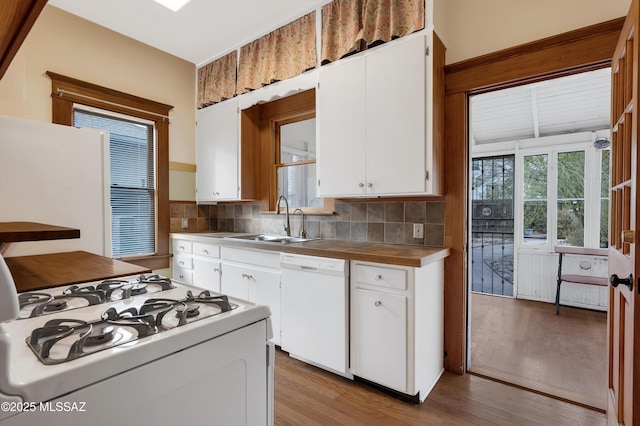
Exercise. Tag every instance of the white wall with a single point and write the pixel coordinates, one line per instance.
(471, 28)
(536, 278)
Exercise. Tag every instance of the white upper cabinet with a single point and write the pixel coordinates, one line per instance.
(374, 133)
(340, 101)
(217, 152)
(396, 119)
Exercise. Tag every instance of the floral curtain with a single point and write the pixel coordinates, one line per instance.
(217, 80)
(350, 26)
(281, 54)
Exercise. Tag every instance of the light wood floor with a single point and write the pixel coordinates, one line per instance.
(306, 395)
(526, 343)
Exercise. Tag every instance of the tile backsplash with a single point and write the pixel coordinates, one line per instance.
(200, 218)
(377, 221)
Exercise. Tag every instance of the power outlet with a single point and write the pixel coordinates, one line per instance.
(185, 223)
(418, 230)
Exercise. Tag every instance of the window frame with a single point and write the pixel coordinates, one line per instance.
(152, 190)
(592, 197)
(67, 91)
(261, 121)
(278, 152)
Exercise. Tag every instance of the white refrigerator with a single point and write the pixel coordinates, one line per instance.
(57, 175)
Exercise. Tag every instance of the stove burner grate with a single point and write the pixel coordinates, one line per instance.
(44, 302)
(89, 334)
(154, 315)
(107, 291)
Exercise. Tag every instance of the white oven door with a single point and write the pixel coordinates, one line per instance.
(227, 380)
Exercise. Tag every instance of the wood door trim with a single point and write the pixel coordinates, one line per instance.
(583, 49)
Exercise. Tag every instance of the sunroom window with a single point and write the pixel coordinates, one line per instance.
(534, 203)
(570, 205)
(565, 197)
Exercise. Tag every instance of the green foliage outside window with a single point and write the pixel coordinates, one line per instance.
(571, 198)
(535, 196)
(604, 199)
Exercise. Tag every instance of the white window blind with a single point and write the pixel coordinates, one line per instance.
(132, 160)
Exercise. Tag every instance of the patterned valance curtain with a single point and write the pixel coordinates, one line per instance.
(281, 54)
(217, 80)
(350, 26)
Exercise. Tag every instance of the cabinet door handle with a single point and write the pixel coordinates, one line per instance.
(181, 247)
(247, 276)
(205, 251)
(378, 277)
(370, 185)
(181, 263)
(377, 303)
(361, 185)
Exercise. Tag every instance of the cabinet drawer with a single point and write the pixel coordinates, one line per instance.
(251, 257)
(182, 261)
(208, 250)
(181, 246)
(379, 276)
(183, 275)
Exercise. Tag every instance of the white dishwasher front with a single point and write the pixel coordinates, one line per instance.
(315, 311)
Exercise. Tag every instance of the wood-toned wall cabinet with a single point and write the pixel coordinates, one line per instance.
(377, 127)
(397, 325)
(226, 164)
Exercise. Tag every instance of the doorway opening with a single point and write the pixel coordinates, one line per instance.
(539, 178)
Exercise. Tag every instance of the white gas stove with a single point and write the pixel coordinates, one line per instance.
(134, 350)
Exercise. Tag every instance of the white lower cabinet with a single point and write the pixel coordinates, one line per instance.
(379, 322)
(254, 276)
(206, 274)
(206, 266)
(182, 261)
(397, 325)
(197, 264)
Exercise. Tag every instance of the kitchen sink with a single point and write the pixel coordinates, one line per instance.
(268, 238)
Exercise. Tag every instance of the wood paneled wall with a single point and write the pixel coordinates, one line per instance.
(580, 50)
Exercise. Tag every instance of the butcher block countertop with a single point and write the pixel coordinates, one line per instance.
(59, 269)
(394, 254)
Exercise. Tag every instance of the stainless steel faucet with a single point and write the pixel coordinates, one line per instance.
(287, 224)
(303, 232)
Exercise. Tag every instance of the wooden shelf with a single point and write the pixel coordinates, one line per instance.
(13, 232)
(59, 269)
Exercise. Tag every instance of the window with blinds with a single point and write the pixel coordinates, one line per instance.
(132, 160)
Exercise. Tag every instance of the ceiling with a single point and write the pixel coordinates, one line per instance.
(576, 103)
(199, 32)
